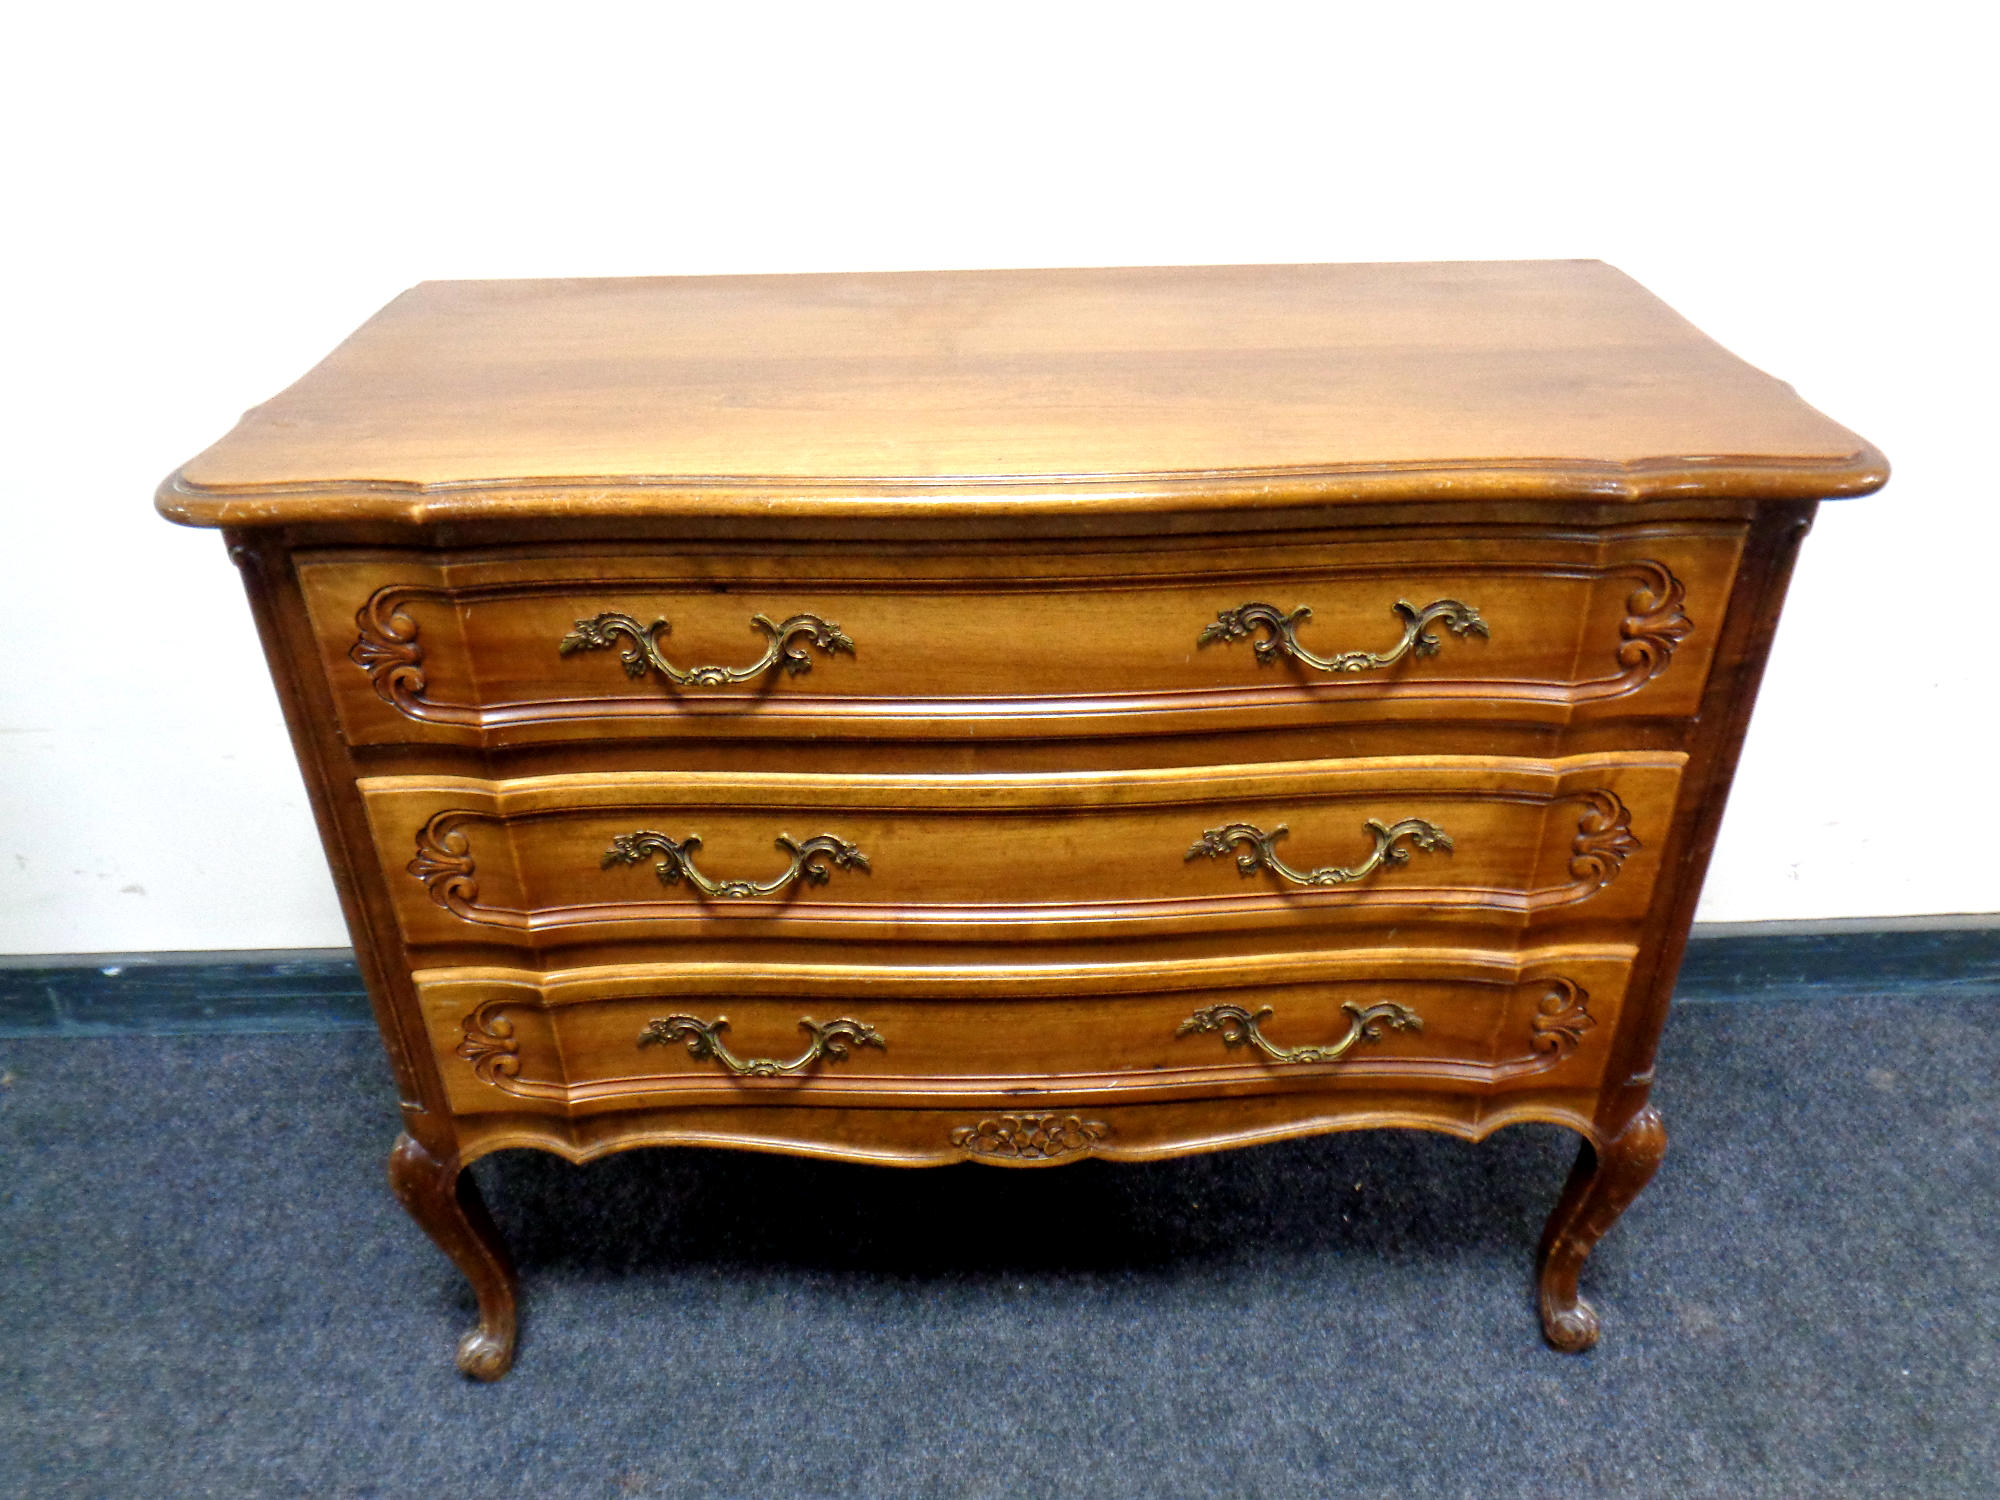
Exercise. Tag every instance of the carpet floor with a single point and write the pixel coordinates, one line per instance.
(206, 1289)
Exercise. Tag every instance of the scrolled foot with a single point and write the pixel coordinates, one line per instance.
(486, 1355)
(1600, 1188)
(445, 1202)
(1571, 1329)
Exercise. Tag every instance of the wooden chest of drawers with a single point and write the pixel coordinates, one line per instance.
(1016, 717)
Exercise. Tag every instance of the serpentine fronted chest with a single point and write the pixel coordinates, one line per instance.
(1017, 717)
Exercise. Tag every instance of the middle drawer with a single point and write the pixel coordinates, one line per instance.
(543, 862)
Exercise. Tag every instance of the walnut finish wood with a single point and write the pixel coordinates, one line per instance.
(1024, 497)
(933, 1137)
(444, 1200)
(1030, 392)
(1021, 859)
(510, 1040)
(1094, 638)
(1601, 1186)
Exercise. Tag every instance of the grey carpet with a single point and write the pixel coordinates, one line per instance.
(207, 1290)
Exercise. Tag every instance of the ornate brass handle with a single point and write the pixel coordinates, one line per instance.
(808, 861)
(1236, 624)
(704, 1041)
(642, 653)
(1364, 1024)
(1259, 855)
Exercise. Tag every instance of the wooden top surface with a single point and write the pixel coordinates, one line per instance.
(1032, 391)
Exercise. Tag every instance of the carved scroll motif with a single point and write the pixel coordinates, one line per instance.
(1561, 1019)
(1604, 838)
(444, 864)
(489, 1045)
(1654, 623)
(1030, 1138)
(389, 652)
(390, 649)
(1601, 1186)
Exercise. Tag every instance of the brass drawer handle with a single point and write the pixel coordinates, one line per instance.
(1236, 624)
(808, 861)
(704, 1042)
(1259, 854)
(1364, 1024)
(643, 654)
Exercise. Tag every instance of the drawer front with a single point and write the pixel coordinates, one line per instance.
(543, 862)
(522, 647)
(596, 1040)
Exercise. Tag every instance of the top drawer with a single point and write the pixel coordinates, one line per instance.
(531, 645)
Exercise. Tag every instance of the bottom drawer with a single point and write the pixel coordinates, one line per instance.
(594, 1040)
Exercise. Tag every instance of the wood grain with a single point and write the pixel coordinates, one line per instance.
(514, 1040)
(1601, 1187)
(1024, 495)
(1029, 391)
(1020, 858)
(461, 647)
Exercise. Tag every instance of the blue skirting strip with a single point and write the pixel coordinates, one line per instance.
(318, 989)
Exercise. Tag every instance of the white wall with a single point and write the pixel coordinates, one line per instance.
(208, 197)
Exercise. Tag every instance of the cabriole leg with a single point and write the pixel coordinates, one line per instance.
(445, 1202)
(1601, 1185)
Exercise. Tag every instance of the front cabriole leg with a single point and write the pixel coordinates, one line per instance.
(445, 1202)
(1601, 1185)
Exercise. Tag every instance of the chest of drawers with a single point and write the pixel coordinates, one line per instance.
(1020, 717)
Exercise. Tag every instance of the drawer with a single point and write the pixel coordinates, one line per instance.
(521, 647)
(596, 1040)
(544, 862)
